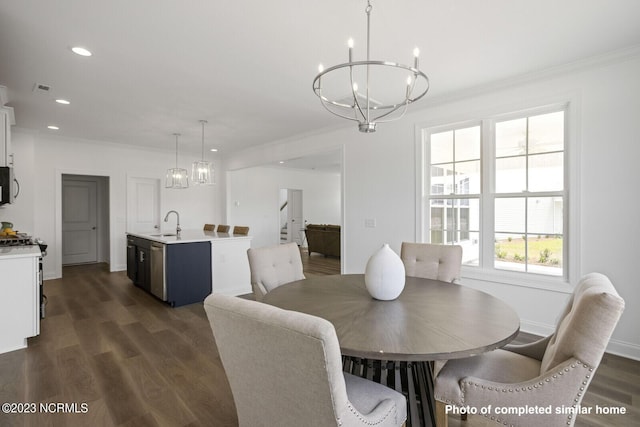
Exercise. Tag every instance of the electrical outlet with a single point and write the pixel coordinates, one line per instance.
(370, 223)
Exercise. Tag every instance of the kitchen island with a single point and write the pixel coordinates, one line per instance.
(185, 269)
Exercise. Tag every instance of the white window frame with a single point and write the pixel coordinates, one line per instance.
(571, 204)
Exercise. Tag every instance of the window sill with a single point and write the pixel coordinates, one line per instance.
(513, 278)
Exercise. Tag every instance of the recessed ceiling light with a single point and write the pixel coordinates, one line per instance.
(214, 149)
(281, 161)
(63, 101)
(81, 51)
(53, 127)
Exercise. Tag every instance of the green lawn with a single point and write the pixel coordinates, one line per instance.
(542, 250)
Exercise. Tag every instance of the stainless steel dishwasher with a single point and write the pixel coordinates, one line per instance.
(158, 283)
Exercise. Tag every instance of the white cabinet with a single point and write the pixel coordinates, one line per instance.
(19, 296)
(231, 274)
(6, 155)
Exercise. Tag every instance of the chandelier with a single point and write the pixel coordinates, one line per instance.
(202, 172)
(177, 178)
(347, 90)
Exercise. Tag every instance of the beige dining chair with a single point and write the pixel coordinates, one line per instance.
(285, 369)
(431, 261)
(273, 266)
(223, 228)
(209, 227)
(241, 230)
(553, 372)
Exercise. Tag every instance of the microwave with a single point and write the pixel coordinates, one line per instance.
(6, 185)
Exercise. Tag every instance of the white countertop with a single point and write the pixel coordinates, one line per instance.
(20, 251)
(188, 236)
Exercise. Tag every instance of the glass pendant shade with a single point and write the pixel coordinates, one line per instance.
(177, 178)
(202, 172)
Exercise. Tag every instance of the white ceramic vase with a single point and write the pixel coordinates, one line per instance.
(384, 275)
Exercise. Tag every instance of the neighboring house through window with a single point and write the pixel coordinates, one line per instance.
(498, 187)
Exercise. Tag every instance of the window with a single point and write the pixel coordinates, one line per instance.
(454, 159)
(497, 188)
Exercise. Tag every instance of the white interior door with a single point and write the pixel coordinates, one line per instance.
(143, 205)
(295, 223)
(79, 221)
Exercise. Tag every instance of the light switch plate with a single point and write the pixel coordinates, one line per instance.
(370, 223)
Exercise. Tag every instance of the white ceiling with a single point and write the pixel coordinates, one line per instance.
(159, 66)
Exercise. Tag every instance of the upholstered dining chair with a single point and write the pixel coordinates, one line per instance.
(222, 228)
(209, 227)
(553, 372)
(241, 230)
(431, 261)
(273, 266)
(285, 369)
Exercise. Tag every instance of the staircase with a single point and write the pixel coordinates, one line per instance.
(284, 235)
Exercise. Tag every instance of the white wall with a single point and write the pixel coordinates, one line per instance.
(253, 199)
(41, 160)
(380, 180)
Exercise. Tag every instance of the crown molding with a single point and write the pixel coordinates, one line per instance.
(596, 61)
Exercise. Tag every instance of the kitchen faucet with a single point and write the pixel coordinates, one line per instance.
(166, 219)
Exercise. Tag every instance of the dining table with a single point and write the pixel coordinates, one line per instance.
(397, 342)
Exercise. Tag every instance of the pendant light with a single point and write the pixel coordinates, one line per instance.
(202, 172)
(177, 178)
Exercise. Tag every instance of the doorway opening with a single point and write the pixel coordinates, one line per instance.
(85, 219)
(292, 224)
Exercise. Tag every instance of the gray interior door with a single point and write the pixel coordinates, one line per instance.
(79, 220)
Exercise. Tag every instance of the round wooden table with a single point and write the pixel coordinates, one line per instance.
(393, 342)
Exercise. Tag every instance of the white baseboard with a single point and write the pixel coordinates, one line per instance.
(117, 267)
(624, 349)
(51, 276)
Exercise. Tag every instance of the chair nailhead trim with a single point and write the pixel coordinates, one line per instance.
(355, 412)
(536, 386)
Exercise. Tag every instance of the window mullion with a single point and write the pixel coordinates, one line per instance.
(487, 182)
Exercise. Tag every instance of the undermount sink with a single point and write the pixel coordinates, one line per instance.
(162, 235)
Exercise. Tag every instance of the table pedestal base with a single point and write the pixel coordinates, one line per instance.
(413, 379)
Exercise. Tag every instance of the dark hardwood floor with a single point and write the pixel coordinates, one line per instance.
(136, 362)
(318, 264)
